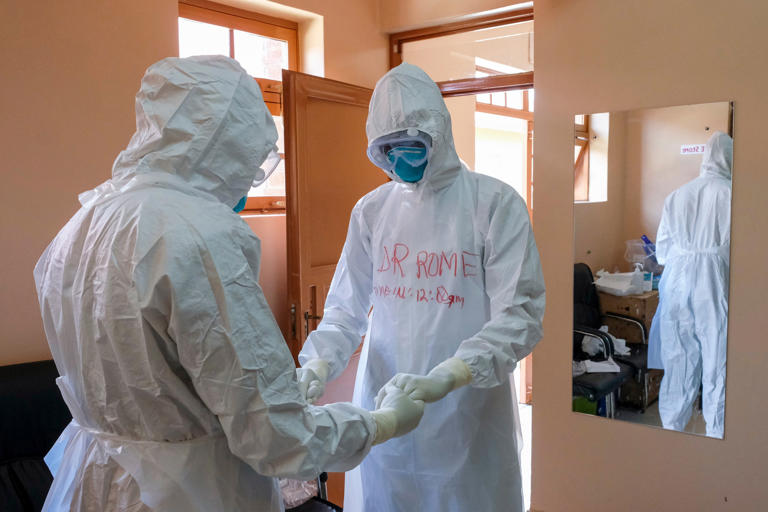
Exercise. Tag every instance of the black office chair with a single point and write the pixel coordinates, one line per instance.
(32, 416)
(587, 321)
(637, 359)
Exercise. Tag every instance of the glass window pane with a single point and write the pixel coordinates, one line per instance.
(498, 98)
(501, 145)
(484, 98)
(504, 49)
(530, 99)
(515, 99)
(198, 38)
(262, 57)
(576, 151)
(579, 119)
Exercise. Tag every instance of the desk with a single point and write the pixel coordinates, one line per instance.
(640, 307)
(644, 389)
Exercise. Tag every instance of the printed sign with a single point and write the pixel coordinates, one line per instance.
(692, 149)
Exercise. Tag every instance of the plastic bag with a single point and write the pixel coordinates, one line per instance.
(296, 492)
(642, 253)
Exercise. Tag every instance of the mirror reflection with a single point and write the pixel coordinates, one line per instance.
(652, 214)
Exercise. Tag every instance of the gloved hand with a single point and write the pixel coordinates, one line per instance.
(396, 415)
(312, 377)
(451, 374)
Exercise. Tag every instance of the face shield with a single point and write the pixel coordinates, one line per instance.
(403, 149)
(267, 167)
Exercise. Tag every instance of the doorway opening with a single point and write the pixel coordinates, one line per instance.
(484, 68)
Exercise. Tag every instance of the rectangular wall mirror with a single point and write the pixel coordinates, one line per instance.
(652, 215)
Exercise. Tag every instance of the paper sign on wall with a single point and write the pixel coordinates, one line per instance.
(692, 149)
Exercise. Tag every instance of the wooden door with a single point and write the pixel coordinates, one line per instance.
(327, 171)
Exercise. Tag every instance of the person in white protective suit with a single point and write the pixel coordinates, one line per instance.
(448, 261)
(693, 244)
(183, 393)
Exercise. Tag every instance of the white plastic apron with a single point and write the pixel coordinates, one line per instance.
(428, 297)
(199, 475)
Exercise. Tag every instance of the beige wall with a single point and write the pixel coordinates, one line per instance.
(654, 165)
(70, 71)
(635, 55)
(644, 167)
(399, 15)
(599, 226)
(273, 272)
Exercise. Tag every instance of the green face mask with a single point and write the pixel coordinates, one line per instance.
(240, 204)
(410, 162)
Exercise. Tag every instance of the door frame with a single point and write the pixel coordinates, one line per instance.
(482, 85)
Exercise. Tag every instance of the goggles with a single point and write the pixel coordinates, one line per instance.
(411, 145)
(267, 167)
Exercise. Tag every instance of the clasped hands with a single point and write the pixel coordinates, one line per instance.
(400, 402)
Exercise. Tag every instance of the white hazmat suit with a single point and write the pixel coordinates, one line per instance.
(451, 268)
(182, 389)
(693, 244)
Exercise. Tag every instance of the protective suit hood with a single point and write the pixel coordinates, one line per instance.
(407, 98)
(200, 119)
(718, 156)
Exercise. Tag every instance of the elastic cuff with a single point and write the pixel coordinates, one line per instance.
(459, 369)
(320, 367)
(386, 424)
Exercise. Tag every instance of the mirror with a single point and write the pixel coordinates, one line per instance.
(652, 215)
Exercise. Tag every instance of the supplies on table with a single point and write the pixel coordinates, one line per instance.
(642, 254)
(621, 283)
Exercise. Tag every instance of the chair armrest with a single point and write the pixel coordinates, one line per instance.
(633, 321)
(596, 333)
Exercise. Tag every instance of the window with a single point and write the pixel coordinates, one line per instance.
(484, 68)
(504, 135)
(581, 158)
(591, 137)
(264, 46)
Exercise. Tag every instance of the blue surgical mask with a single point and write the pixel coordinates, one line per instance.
(410, 162)
(240, 204)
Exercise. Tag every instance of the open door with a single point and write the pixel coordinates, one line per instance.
(327, 171)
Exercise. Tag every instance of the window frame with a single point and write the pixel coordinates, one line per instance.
(267, 26)
(495, 82)
(525, 114)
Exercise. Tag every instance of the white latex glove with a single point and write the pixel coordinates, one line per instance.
(451, 374)
(396, 415)
(312, 377)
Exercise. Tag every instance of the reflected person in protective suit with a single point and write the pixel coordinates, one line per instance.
(693, 244)
(448, 261)
(183, 393)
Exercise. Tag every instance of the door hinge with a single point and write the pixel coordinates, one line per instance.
(293, 321)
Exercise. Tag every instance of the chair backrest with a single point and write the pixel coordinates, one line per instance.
(33, 412)
(32, 415)
(586, 305)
